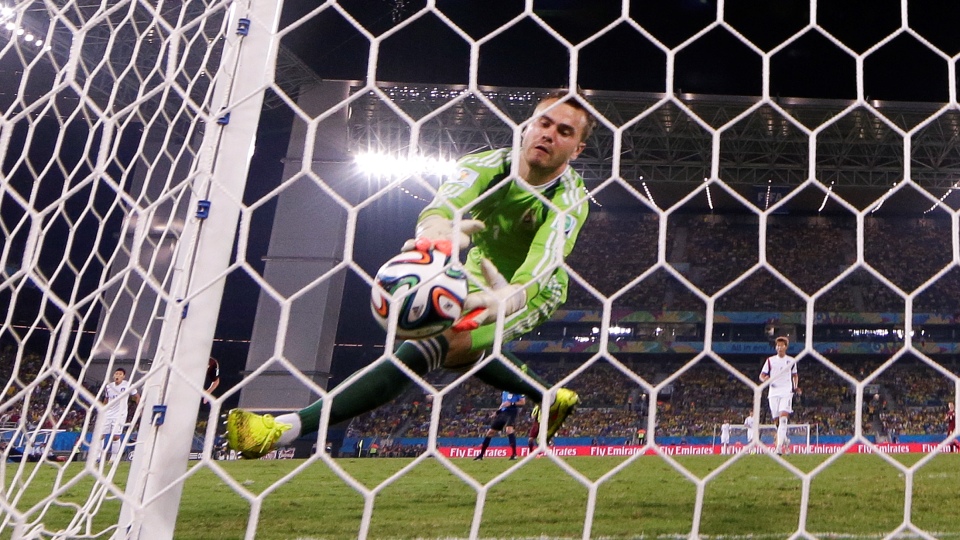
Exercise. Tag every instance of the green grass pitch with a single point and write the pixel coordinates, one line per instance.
(857, 496)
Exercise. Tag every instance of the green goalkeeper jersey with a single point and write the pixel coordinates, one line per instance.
(526, 236)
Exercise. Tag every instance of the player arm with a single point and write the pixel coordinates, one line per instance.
(213, 385)
(438, 226)
(765, 372)
(458, 190)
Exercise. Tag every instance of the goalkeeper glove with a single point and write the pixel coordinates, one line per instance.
(481, 307)
(437, 232)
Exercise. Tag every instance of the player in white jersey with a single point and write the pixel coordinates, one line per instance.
(748, 425)
(724, 437)
(781, 370)
(115, 413)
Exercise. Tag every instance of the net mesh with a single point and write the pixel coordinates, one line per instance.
(829, 221)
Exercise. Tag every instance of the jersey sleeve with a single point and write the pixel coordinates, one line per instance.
(766, 367)
(474, 175)
(556, 237)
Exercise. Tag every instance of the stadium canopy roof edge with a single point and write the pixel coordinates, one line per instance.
(667, 144)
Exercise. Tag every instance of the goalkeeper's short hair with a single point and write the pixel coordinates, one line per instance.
(574, 100)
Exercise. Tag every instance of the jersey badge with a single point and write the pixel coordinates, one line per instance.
(569, 225)
(464, 177)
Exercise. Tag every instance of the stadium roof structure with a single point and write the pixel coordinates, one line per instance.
(664, 154)
(123, 52)
(666, 148)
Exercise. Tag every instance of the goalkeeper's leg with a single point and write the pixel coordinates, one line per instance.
(377, 387)
(254, 435)
(497, 374)
(534, 433)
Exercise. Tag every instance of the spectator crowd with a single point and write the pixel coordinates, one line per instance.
(692, 400)
(715, 251)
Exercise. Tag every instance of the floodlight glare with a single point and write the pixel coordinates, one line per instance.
(385, 165)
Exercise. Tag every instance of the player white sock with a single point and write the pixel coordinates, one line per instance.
(291, 434)
(781, 433)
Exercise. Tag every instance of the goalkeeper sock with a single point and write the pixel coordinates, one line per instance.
(498, 375)
(534, 433)
(378, 386)
(513, 443)
(290, 435)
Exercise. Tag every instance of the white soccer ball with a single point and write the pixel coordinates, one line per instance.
(426, 293)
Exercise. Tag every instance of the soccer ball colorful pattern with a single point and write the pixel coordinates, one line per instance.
(423, 289)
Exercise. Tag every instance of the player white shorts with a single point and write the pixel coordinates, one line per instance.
(725, 439)
(113, 425)
(779, 404)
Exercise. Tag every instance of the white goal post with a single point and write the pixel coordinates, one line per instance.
(164, 127)
(799, 434)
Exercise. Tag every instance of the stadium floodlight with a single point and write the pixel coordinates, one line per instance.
(945, 195)
(709, 197)
(826, 197)
(884, 198)
(375, 164)
(647, 191)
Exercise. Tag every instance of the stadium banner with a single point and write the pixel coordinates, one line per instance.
(721, 347)
(692, 450)
(765, 196)
(622, 315)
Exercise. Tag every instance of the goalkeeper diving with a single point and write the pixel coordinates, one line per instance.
(521, 232)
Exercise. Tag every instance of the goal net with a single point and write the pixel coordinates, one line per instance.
(194, 179)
